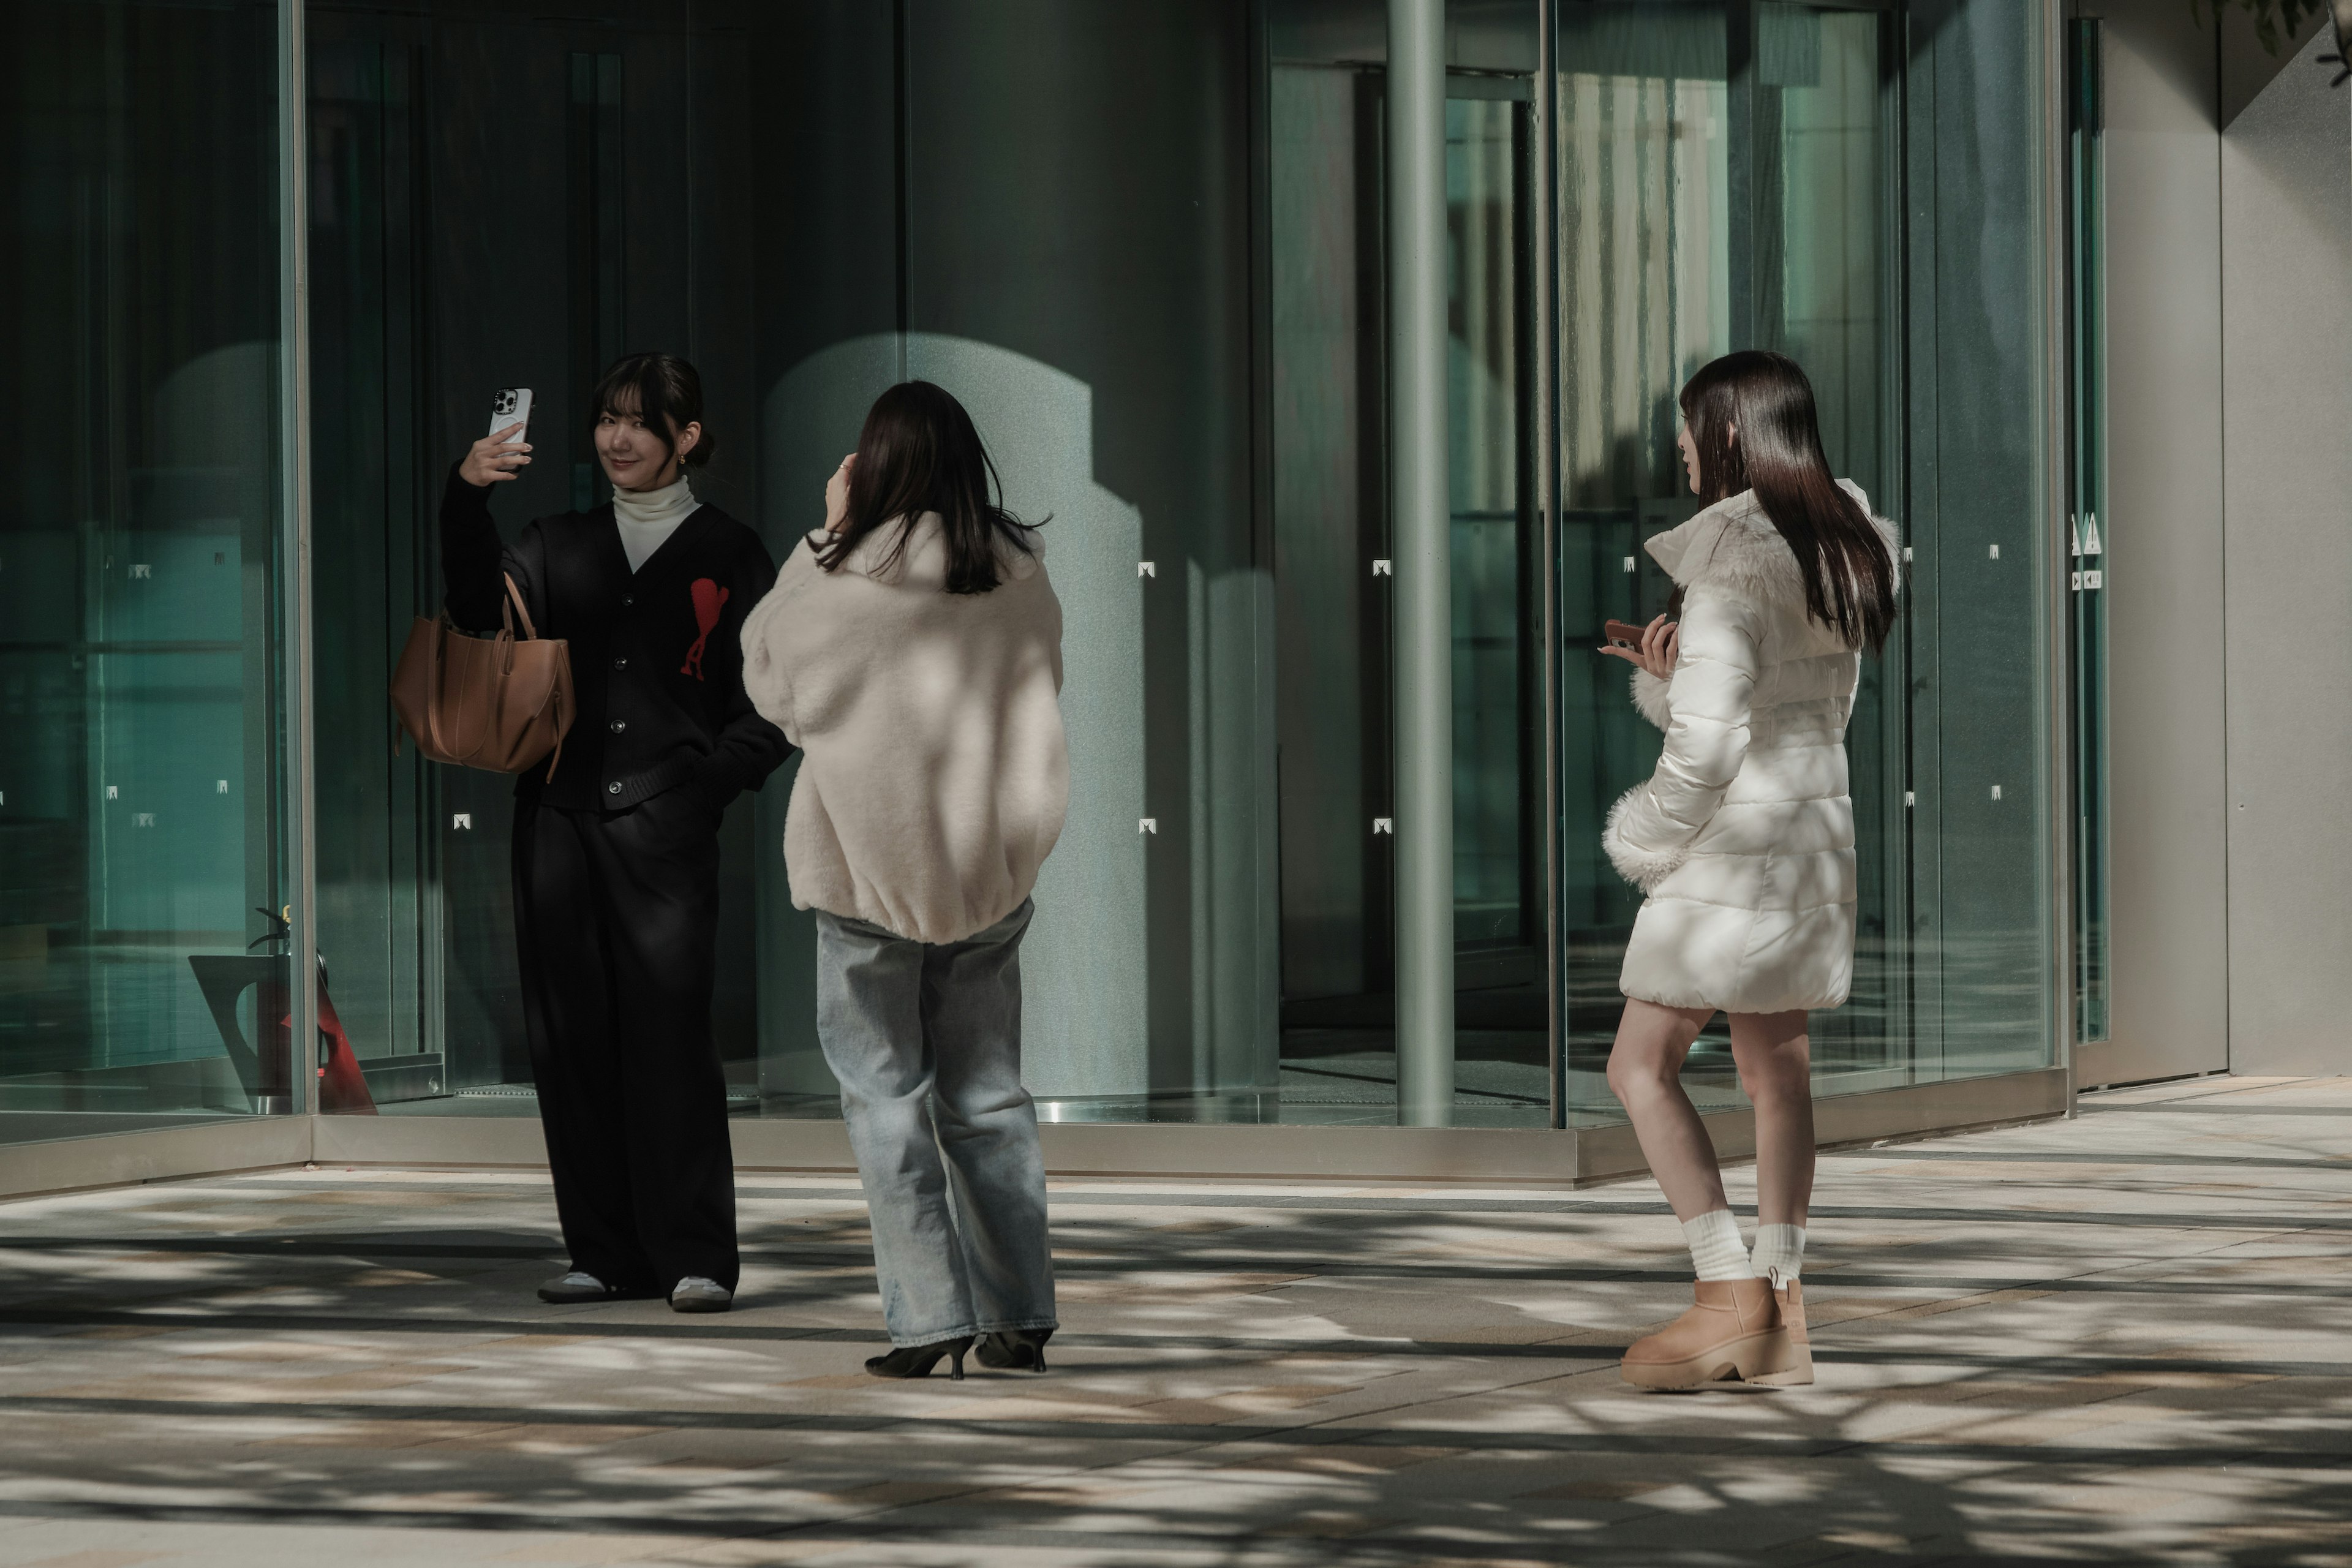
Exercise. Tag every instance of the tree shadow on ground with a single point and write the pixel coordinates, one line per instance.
(1237, 1385)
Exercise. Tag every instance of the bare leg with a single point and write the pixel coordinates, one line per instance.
(1646, 1074)
(1775, 1058)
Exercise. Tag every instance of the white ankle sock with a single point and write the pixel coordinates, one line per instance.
(1717, 1251)
(1779, 1252)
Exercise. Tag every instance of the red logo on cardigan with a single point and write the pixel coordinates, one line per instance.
(709, 598)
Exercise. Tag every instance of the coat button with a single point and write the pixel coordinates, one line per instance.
(611, 789)
(628, 599)
(620, 664)
(618, 725)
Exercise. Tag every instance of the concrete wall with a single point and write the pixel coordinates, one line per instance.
(2163, 533)
(2287, 298)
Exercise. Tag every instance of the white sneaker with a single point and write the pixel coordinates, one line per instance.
(577, 1286)
(696, 1294)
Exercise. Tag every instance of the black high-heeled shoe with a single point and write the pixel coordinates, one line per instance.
(1015, 1349)
(917, 1361)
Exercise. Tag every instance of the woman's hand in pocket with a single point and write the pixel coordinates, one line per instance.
(497, 455)
(1660, 647)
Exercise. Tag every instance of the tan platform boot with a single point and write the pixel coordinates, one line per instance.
(1732, 1331)
(1790, 1298)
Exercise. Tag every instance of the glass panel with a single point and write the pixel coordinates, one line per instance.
(1332, 614)
(1503, 1029)
(1826, 78)
(142, 861)
(1333, 677)
(430, 289)
(1730, 175)
(1977, 644)
(1644, 255)
(1078, 273)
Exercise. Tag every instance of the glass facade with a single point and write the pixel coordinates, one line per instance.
(1146, 246)
(143, 586)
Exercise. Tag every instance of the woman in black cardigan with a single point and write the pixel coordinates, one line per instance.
(617, 856)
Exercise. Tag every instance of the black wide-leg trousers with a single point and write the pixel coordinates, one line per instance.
(616, 915)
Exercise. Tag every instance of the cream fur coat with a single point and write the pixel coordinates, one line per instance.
(1743, 838)
(935, 775)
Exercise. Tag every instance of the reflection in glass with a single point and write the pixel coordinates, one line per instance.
(140, 862)
(1329, 467)
(1644, 255)
(1502, 1024)
(1334, 691)
(1827, 304)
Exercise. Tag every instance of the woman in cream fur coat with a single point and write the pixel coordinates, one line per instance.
(1743, 841)
(912, 648)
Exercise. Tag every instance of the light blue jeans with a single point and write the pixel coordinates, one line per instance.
(926, 1042)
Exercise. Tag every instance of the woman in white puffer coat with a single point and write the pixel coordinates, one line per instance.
(1743, 840)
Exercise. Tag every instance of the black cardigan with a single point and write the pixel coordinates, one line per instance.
(657, 655)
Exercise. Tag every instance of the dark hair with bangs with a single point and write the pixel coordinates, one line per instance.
(1849, 576)
(664, 391)
(919, 452)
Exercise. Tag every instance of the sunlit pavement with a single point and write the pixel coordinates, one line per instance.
(2124, 1338)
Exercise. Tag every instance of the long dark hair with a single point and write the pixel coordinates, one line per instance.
(920, 453)
(664, 392)
(1849, 576)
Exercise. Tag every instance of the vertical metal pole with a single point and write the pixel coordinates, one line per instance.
(1420, 506)
(1741, 154)
(294, 585)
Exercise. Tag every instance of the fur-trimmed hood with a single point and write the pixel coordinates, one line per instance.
(1732, 545)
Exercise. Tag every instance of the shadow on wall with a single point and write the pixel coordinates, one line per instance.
(1083, 966)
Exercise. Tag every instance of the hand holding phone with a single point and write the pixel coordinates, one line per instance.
(1655, 647)
(503, 453)
(836, 495)
(510, 406)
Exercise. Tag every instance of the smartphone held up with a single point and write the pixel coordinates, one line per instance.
(511, 406)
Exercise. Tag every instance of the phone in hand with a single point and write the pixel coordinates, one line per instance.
(1620, 634)
(512, 405)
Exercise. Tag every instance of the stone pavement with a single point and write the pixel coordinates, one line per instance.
(2124, 1338)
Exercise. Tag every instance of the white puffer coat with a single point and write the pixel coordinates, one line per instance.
(1743, 838)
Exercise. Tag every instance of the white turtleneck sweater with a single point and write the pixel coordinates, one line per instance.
(647, 518)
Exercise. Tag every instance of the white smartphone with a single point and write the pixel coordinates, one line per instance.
(511, 404)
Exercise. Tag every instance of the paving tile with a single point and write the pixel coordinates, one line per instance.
(2141, 1355)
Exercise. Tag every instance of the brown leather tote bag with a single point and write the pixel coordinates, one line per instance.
(495, 702)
